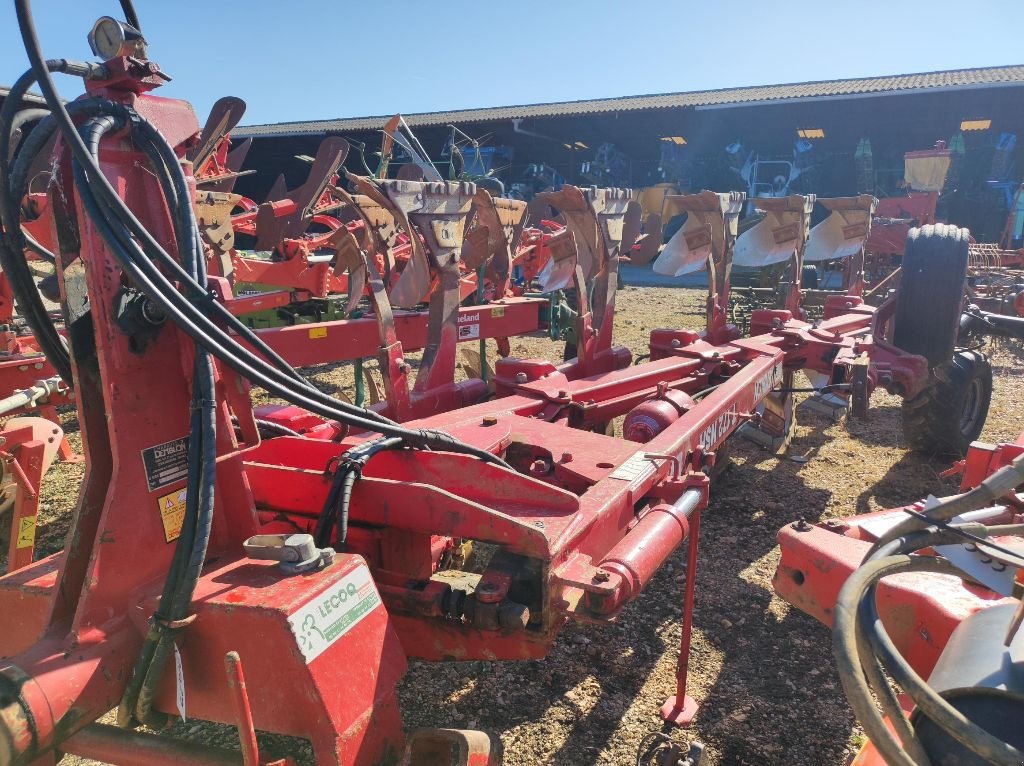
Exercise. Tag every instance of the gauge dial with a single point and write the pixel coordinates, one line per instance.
(111, 38)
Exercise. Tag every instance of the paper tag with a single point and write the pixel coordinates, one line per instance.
(179, 684)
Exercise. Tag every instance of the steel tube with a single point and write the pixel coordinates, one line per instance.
(30, 396)
(109, 744)
(639, 555)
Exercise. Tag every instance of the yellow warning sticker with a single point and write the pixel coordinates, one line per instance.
(317, 332)
(172, 513)
(26, 532)
(497, 312)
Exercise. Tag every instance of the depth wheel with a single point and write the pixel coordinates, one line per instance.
(931, 292)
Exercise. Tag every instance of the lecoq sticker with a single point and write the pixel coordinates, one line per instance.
(327, 617)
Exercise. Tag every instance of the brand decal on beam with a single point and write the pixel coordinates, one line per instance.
(767, 382)
(330, 615)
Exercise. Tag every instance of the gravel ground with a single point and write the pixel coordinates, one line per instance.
(762, 671)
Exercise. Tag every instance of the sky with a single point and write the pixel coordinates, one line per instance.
(309, 59)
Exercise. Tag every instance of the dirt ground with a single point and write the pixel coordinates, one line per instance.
(762, 671)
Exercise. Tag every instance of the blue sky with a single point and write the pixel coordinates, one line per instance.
(302, 59)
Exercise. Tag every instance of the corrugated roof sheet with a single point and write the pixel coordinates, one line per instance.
(965, 78)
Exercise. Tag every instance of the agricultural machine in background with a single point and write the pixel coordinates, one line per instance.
(274, 567)
(770, 178)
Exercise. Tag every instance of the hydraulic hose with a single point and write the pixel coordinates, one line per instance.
(864, 653)
(12, 241)
(336, 506)
(191, 319)
(143, 259)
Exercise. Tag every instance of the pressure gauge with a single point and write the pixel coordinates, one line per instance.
(111, 38)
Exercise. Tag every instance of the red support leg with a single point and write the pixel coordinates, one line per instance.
(680, 708)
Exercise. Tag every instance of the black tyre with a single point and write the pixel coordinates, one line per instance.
(809, 277)
(931, 292)
(948, 415)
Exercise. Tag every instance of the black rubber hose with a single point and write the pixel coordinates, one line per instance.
(22, 118)
(12, 257)
(873, 669)
(190, 552)
(107, 195)
(129, 14)
(931, 704)
(165, 153)
(335, 510)
(147, 277)
(170, 303)
(204, 402)
(225, 347)
(856, 637)
(846, 638)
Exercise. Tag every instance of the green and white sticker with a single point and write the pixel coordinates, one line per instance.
(327, 617)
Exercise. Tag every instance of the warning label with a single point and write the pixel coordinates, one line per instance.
(469, 331)
(166, 463)
(172, 513)
(317, 332)
(26, 532)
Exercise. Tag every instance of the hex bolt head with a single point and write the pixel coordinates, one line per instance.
(521, 377)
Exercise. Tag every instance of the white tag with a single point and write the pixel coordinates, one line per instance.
(179, 683)
(638, 466)
(330, 615)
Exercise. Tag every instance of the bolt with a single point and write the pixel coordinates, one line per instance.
(563, 394)
(802, 525)
(540, 467)
(521, 377)
(676, 343)
(489, 420)
(601, 577)
(566, 457)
